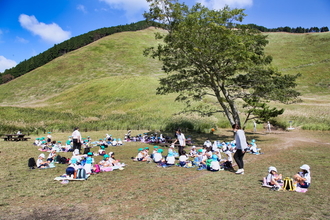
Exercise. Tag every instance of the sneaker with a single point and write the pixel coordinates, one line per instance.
(240, 171)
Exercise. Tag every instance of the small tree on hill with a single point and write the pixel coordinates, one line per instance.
(207, 53)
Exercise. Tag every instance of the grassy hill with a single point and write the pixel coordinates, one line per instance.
(110, 84)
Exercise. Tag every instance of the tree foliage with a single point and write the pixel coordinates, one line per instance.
(209, 53)
(289, 29)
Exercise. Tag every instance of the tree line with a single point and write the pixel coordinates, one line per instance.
(69, 45)
(289, 29)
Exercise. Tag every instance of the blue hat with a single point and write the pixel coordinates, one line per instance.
(214, 157)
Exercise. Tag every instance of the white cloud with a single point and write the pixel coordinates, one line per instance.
(22, 40)
(82, 8)
(48, 32)
(219, 4)
(132, 7)
(6, 63)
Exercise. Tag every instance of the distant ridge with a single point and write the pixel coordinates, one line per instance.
(65, 47)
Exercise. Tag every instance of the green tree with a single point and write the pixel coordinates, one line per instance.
(208, 53)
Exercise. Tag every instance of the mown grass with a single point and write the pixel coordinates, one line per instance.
(144, 191)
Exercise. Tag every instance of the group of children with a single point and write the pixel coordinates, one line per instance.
(206, 158)
(203, 158)
(48, 145)
(302, 179)
(87, 162)
(79, 161)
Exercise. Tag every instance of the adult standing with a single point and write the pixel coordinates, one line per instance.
(182, 141)
(76, 139)
(241, 146)
(269, 127)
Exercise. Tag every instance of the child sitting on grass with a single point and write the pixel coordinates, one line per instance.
(101, 150)
(170, 159)
(273, 178)
(183, 159)
(41, 163)
(303, 178)
(193, 152)
(215, 165)
(115, 163)
(158, 157)
(140, 156)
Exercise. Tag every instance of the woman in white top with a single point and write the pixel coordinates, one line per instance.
(241, 147)
(182, 141)
(76, 139)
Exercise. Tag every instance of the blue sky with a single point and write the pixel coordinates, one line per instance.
(29, 27)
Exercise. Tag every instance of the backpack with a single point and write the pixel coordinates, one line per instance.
(227, 165)
(32, 163)
(81, 174)
(86, 150)
(61, 160)
(288, 184)
(97, 168)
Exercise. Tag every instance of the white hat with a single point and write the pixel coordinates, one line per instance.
(42, 155)
(193, 146)
(172, 146)
(272, 169)
(110, 153)
(305, 167)
(76, 151)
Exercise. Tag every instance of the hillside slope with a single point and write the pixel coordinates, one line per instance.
(307, 54)
(115, 55)
(111, 83)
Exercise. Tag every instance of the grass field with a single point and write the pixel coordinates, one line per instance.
(144, 191)
(109, 84)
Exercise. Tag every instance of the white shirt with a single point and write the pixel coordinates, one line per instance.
(208, 143)
(157, 157)
(183, 158)
(307, 176)
(39, 162)
(170, 160)
(76, 135)
(215, 165)
(181, 138)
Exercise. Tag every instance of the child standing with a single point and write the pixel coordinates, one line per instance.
(89, 162)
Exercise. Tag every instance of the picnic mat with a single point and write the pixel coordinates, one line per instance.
(65, 177)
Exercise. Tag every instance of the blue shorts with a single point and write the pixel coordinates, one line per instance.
(306, 185)
(69, 171)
